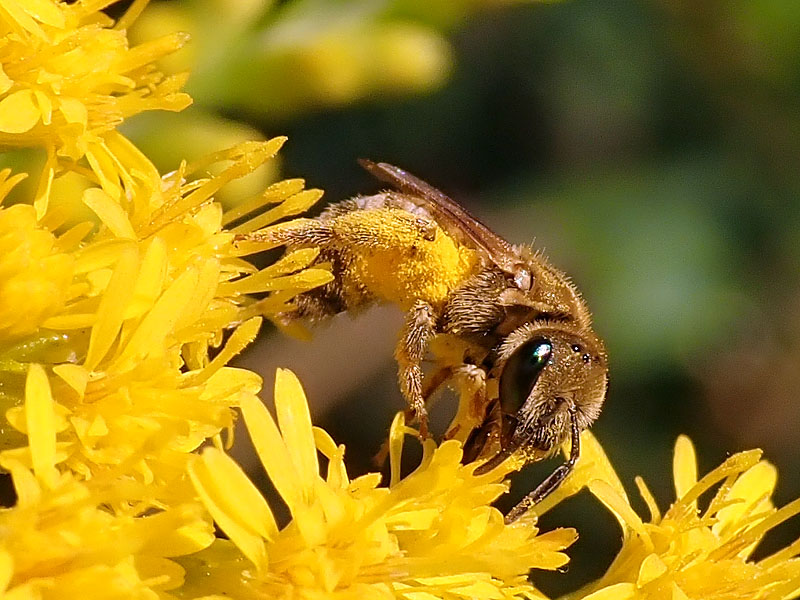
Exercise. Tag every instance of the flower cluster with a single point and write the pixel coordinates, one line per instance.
(124, 293)
(692, 553)
(432, 531)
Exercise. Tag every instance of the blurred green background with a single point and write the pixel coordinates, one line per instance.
(651, 147)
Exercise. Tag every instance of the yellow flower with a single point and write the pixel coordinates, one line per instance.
(67, 540)
(697, 553)
(34, 273)
(68, 78)
(128, 312)
(431, 534)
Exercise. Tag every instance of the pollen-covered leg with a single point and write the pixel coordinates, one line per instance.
(294, 233)
(471, 383)
(418, 329)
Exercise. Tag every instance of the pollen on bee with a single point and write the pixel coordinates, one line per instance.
(406, 258)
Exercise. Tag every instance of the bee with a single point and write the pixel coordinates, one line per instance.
(509, 329)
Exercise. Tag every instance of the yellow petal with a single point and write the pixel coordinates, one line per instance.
(41, 198)
(271, 450)
(40, 419)
(111, 312)
(110, 212)
(206, 484)
(258, 283)
(228, 380)
(148, 338)
(261, 280)
(684, 466)
(649, 499)
(45, 12)
(99, 255)
(203, 294)
(753, 486)
(652, 568)
(241, 500)
(239, 340)
(276, 192)
(733, 465)
(76, 321)
(45, 106)
(755, 533)
(397, 435)
(592, 464)
(295, 423)
(7, 183)
(337, 473)
(71, 239)
(293, 205)
(104, 167)
(621, 509)
(74, 111)
(29, 492)
(75, 376)
(159, 573)
(18, 112)
(150, 282)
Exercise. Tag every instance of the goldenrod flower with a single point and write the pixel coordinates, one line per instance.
(697, 553)
(67, 540)
(431, 534)
(68, 78)
(34, 273)
(128, 314)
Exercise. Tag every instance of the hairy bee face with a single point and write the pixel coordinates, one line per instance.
(552, 380)
(546, 371)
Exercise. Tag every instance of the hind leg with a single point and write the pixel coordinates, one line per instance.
(429, 387)
(418, 329)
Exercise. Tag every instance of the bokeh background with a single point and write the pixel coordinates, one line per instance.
(651, 147)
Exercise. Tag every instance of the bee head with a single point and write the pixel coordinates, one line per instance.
(550, 374)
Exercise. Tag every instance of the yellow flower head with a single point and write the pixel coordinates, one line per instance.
(125, 314)
(68, 77)
(62, 540)
(701, 553)
(431, 534)
(34, 273)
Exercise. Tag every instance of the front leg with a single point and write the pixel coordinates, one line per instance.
(418, 329)
(471, 383)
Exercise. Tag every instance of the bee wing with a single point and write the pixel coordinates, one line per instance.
(449, 215)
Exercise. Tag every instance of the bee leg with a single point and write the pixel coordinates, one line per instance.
(555, 478)
(418, 329)
(430, 385)
(472, 402)
(434, 381)
(296, 232)
(476, 443)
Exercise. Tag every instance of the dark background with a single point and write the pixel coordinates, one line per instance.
(650, 147)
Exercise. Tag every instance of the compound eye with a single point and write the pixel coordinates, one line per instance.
(520, 373)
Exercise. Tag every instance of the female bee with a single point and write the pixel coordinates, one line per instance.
(511, 330)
